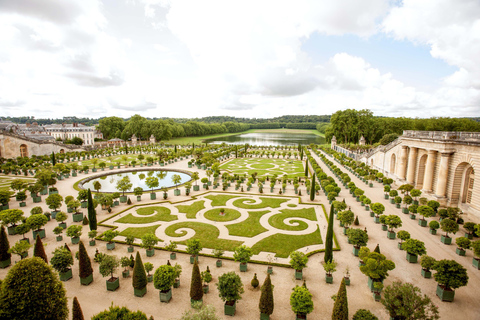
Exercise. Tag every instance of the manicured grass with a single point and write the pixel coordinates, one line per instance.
(220, 199)
(262, 166)
(192, 209)
(267, 202)
(250, 227)
(146, 211)
(291, 205)
(230, 214)
(206, 233)
(265, 166)
(162, 215)
(277, 221)
(139, 232)
(283, 244)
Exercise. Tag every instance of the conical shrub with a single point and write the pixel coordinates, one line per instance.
(139, 278)
(340, 308)
(196, 290)
(39, 250)
(77, 313)
(329, 238)
(266, 304)
(84, 262)
(4, 245)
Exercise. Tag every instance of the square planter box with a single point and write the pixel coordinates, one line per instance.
(92, 243)
(5, 263)
(376, 219)
(125, 273)
(264, 316)
(355, 251)
(219, 263)
(405, 210)
(140, 292)
(205, 288)
(59, 238)
(87, 280)
(399, 245)
(193, 258)
(446, 240)
(445, 295)
(367, 208)
(469, 236)
(300, 316)
(150, 252)
(243, 267)
(328, 279)
(64, 276)
(37, 199)
(111, 246)
(139, 198)
(123, 199)
(397, 205)
(77, 217)
(476, 263)
(298, 274)
(40, 232)
(63, 225)
(433, 231)
(196, 188)
(460, 252)
(173, 255)
(176, 284)
(69, 210)
(229, 310)
(75, 240)
(413, 216)
(153, 196)
(372, 214)
(384, 227)
(84, 204)
(412, 258)
(426, 274)
(23, 204)
(176, 192)
(391, 235)
(270, 270)
(422, 222)
(113, 284)
(166, 296)
(347, 281)
(150, 278)
(12, 230)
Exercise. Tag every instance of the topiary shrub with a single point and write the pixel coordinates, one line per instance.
(139, 278)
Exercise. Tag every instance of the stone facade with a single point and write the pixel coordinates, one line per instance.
(13, 145)
(69, 131)
(441, 164)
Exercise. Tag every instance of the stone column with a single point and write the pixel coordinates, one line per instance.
(429, 167)
(412, 164)
(402, 165)
(442, 175)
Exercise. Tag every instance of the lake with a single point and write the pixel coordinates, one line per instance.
(270, 139)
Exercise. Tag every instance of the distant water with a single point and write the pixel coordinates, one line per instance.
(270, 139)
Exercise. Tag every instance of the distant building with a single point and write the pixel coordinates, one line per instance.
(68, 131)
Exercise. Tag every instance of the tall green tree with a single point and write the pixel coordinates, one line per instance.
(77, 313)
(39, 249)
(306, 168)
(340, 308)
(32, 289)
(4, 245)
(139, 278)
(312, 188)
(84, 262)
(266, 303)
(92, 215)
(329, 238)
(196, 290)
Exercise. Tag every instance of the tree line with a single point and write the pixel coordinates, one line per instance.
(349, 125)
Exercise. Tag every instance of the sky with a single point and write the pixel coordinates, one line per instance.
(255, 59)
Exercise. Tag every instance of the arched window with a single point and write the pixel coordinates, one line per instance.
(23, 150)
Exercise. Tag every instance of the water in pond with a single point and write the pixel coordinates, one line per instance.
(109, 182)
(270, 139)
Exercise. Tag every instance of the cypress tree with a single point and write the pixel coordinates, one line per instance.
(266, 298)
(139, 278)
(39, 250)
(306, 168)
(312, 189)
(196, 290)
(92, 215)
(84, 262)
(340, 308)
(54, 161)
(77, 313)
(4, 246)
(301, 153)
(329, 238)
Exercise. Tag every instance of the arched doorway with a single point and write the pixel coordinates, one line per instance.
(421, 171)
(463, 181)
(23, 150)
(62, 151)
(393, 163)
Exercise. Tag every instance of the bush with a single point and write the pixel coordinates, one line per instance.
(298, 260)
(84, 263)
(363, 314)
(164, 277)
(117, 313)
(139, 278)
(266, 303)
(230, 286)
(62, 259)
(301, 300)
(196, 291)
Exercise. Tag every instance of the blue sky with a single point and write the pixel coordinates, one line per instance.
(258, 59)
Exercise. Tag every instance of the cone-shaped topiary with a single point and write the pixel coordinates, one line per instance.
(132, 261)
(356, 222)
(39, 250)
(255, 281)
(4, 246)
(329, 238)
(85, 221)
(92, 215)
(340, 308)
(129, 202)
(67, 247)
(377, 248)
(84, 262)
(139, 278)
(266, 298)
(196, 290)
(77, 313)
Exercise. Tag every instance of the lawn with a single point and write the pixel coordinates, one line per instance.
(192, 209)
(220, 200)
(266, 202)
(277, 220)
(229, 214)
(265, 166)
(163, 214)
(139, 232)
(251, 227)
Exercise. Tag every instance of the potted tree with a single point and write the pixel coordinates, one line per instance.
(124, 185)
(329, 267)
(125, 263)
(91, 235)
(378, 209)
(377, 290)
(301, 302)
(427, 263)
(298, 261)
(130, 240)
(58, 232)
(346, 218)
(463, 244)
(218, 253)
(139, 278)
(433, 227)
(163, 280)
(36, 222)
(402, 235)
(178, 272)
(243, 254)
(12, 217)
(152, 182)
(196, 292)
(23, 229)
(376, 267)
(425, 212)
(61, 218)
(414, 248)
(230, 288)
(358, 238)
(393, 221)
(148, 267)
(470, 228)
(383, 221)
(61, 261)
(21, 248)
(138, 191)
(346, 277)
(149, 240)
(5, 256)
(108, 236)
(171, 247)
(449, 226)
(54, 201)
(108, 265)
(449, 275)
(74, 232)
(266, 299)
(193, 248)
(84, 266)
